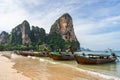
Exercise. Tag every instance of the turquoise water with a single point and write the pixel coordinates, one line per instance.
(110, 69)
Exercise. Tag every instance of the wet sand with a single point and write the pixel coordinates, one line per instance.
(38, 69)
(7, 72)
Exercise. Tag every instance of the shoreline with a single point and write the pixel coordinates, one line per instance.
(91, 73)
(7, 72)
(73, 74)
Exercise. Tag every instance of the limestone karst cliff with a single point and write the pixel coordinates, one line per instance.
(61, 36)
(4, 36)
(64, 26)
(21, 33)
(38, 35)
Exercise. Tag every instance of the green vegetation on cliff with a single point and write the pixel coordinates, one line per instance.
(38, 35)
(61, 36)
(55, 41)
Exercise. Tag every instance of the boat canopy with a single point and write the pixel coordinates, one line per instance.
(105, 55)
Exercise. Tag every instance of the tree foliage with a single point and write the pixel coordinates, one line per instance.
(39, 41)
(55, 41)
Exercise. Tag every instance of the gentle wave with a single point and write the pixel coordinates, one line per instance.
(93, 73)
(81, 70)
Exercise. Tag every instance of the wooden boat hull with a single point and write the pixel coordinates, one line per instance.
(28, 53)
(62, 57)
(84, 60)
(24, 53)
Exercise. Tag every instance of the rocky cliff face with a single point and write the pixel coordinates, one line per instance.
(37, 35)
(4, 36)
(61, 36)
(64, 26)
(21, 33)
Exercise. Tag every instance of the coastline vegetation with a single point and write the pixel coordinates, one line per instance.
(52, 42)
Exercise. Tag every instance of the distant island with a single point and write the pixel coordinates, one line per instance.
(61, 36)
(85, 49)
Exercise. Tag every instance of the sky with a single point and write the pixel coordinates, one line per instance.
(96, 22)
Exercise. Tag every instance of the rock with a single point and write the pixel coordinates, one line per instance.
(4, 37)
(64, 26)
(85, 49)
(38, 35)
(21, 33)
(61, 35)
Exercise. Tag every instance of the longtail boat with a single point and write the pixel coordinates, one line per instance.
(61, 56)
(94, 59)
(30, 53)
(39, 54)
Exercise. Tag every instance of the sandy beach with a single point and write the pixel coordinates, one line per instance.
(23, 68)
(7, 72)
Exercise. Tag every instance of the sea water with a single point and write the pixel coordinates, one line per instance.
(105, 70)
(112, 69)
(109, 69)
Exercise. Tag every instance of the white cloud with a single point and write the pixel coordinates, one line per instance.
(87, 26)
(33, 2)
(43, 13)
(13, 12)
(86, 30)
(10, 15)
(99, 41)
(110, 21)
